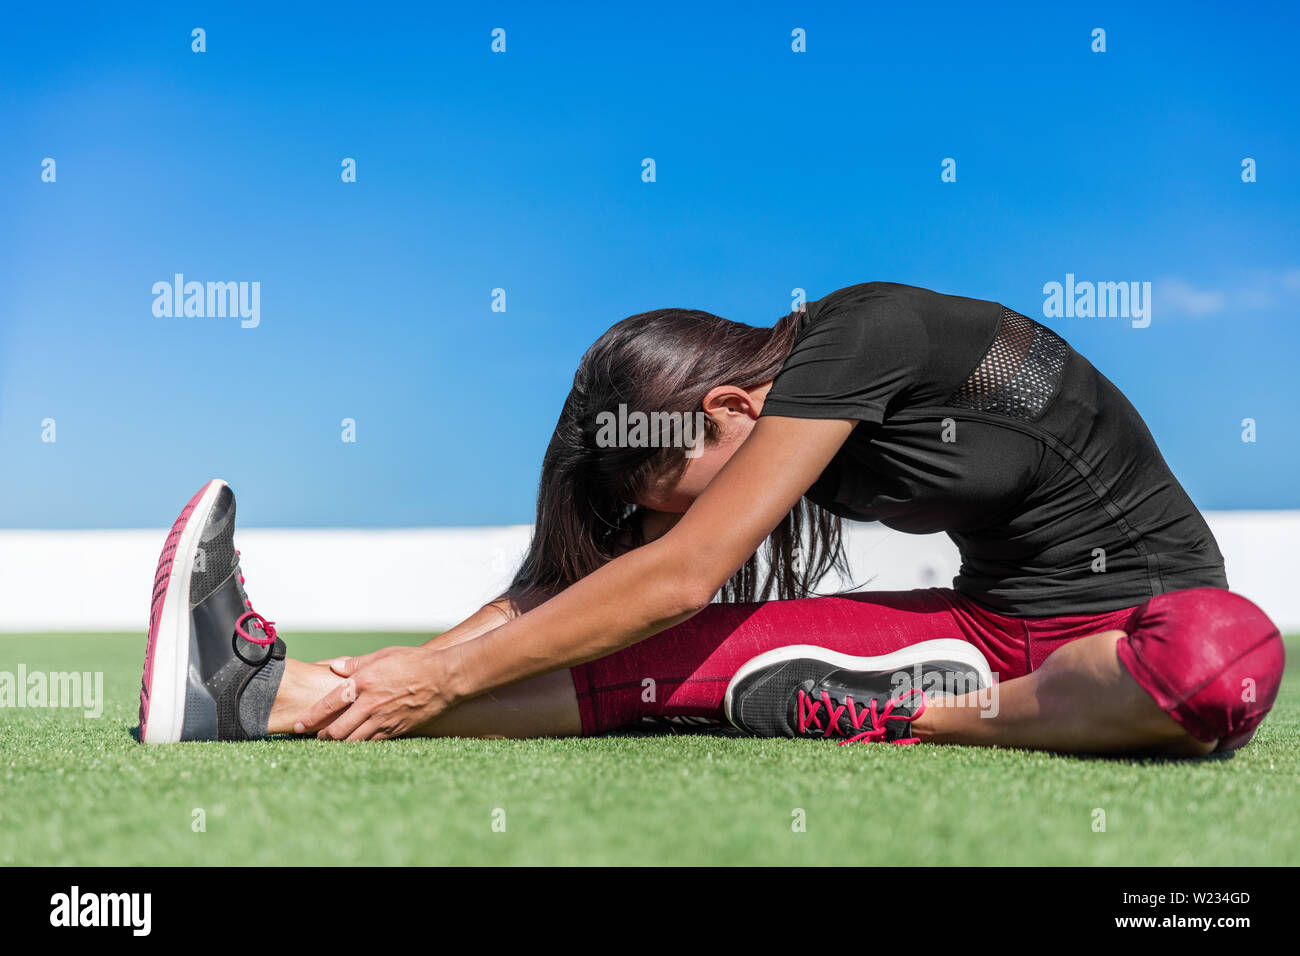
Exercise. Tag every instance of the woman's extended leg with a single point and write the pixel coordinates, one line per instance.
(542, 707)
(683, 671)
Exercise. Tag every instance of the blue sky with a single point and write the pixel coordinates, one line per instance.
(522, 171)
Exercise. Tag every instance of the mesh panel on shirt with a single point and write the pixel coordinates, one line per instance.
(1018, 374)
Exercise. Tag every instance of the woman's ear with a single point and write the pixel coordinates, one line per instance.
(723, 400)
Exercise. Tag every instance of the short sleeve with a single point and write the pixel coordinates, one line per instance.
(856, 354)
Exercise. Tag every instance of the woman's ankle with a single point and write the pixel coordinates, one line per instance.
(302, 685)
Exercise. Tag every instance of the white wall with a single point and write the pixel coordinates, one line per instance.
(427, 579)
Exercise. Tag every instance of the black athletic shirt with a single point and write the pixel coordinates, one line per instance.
(979, 422)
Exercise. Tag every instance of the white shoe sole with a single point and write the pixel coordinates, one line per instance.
(167, 659)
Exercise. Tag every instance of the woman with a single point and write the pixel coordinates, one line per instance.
(1089, 584)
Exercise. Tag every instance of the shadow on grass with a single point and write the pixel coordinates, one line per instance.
(1145, 760)
(681, 727)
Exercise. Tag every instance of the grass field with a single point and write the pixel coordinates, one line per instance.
(81, 791)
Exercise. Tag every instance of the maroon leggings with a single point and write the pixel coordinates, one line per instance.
(1210, 658)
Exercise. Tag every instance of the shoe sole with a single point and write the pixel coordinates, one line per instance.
(940, 649)
(167, 656)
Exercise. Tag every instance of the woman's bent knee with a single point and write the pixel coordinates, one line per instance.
(1211, 659)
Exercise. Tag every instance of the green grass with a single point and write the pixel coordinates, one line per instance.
(81, 791)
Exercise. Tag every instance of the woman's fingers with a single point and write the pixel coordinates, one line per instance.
(345, 723)
(347, 666)
(372, 729)
(381, 695)
(320, 713)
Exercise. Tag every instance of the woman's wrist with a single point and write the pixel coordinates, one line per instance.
(452, 655)
(447, 666)
(486, 618)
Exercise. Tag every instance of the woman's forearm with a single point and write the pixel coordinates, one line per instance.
(480, 622)
(490, 616)
(627, 600)
(506, 608)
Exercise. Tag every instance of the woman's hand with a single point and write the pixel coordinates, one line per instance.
(384, 694)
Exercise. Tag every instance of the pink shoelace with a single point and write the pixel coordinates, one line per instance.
(811, 717)
(266, 627)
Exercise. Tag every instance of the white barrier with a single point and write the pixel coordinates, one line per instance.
(426, 579)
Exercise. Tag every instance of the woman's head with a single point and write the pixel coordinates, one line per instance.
(659, 403)
(727, 417)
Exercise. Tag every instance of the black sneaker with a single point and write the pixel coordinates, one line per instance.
(806, 691)
(205, 640)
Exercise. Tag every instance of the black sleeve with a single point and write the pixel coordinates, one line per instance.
(857, 352)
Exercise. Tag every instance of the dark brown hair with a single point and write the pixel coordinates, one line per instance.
(661, 361)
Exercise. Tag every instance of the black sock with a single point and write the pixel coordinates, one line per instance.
(258, 696)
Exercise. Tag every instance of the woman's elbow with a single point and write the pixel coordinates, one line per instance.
(694, 598)
(691, 589)
(687, 587)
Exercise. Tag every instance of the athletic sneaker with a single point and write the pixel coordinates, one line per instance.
(806, 691)
(213, 664)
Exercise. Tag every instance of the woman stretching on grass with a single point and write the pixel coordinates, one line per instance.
(1090, 585)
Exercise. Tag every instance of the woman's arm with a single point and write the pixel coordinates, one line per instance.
(654, 524)
(489, 616)
(638, 594)
(665, 582)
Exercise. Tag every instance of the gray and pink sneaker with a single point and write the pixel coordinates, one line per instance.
(206, 643)
(814, 692)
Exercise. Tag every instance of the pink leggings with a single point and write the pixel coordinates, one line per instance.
(1210, 658)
